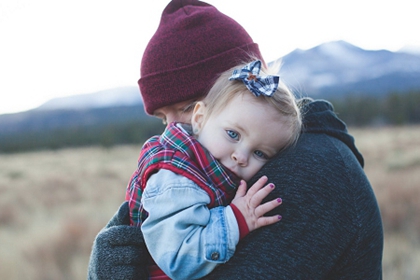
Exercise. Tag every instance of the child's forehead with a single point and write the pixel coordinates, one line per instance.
(251, 116)
(240, 97)
(246, 103)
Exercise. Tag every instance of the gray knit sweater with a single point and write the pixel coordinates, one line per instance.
(331, 226)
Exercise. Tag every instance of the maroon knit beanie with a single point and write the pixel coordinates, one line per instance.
(193, 44)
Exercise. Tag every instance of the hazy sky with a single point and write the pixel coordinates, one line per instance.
(53, 48)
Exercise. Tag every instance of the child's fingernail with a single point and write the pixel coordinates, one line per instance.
(279, 217)
(271, 185)
(279, 200)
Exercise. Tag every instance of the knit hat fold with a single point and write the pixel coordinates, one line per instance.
(192, 45)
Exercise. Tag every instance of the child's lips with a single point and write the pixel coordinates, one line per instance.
(232, 171)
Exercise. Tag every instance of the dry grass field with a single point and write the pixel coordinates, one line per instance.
(53, 203)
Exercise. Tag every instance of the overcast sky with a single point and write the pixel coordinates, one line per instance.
(53, 48)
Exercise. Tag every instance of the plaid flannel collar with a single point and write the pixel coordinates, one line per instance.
(177, 136)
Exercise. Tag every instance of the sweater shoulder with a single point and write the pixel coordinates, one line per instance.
(324, 169)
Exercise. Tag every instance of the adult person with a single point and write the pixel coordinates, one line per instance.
(188, 193)
(331, 226)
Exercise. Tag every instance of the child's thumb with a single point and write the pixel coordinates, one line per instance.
(241, 189)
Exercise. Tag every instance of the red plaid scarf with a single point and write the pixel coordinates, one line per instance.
(176, 150)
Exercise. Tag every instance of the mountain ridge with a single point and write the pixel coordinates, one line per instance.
(343, 68)
(332, 69)
(120, 96)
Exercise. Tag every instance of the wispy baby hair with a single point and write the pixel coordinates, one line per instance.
(224, 90)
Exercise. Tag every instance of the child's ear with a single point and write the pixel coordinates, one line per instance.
(197, 120)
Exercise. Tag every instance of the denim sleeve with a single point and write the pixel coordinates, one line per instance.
(186, 239)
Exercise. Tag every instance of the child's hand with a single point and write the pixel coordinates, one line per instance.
(249, 203)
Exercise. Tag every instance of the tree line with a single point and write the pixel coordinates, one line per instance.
(392, 109)
(133, 132)
(355, 110)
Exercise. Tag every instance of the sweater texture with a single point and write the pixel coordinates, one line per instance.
(331, 226)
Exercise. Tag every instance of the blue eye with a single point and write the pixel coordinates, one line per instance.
(232, 134)
(260, 154)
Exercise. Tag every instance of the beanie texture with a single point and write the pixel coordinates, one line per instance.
(193, 44)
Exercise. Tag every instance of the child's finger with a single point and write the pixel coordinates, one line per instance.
(265, 221)
(257, 186)
(267, 207)
(241, 191)
(258, 197)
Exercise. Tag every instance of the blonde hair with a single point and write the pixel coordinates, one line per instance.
(283, 101)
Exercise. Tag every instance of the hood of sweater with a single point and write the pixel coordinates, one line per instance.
(319, 117)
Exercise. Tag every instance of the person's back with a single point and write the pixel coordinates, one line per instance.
(331, 227)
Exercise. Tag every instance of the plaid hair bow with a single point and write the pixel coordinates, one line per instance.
(258, 85)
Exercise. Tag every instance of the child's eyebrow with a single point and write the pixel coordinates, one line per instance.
(240, 128)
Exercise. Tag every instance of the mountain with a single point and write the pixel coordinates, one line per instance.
(113, 106)
(50, 120)
(339, 68)
(122, 96)
(410, 49)
(332, 70)
(53, 129)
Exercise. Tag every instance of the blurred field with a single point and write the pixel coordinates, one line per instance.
(53, 203)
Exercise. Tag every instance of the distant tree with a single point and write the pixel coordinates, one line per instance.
(356, 110)
(105, 135)
(365, 110)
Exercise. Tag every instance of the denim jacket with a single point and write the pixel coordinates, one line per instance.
(186, 239)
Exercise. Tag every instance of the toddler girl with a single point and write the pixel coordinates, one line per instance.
(189, 193)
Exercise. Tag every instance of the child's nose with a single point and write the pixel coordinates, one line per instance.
(240, 158)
